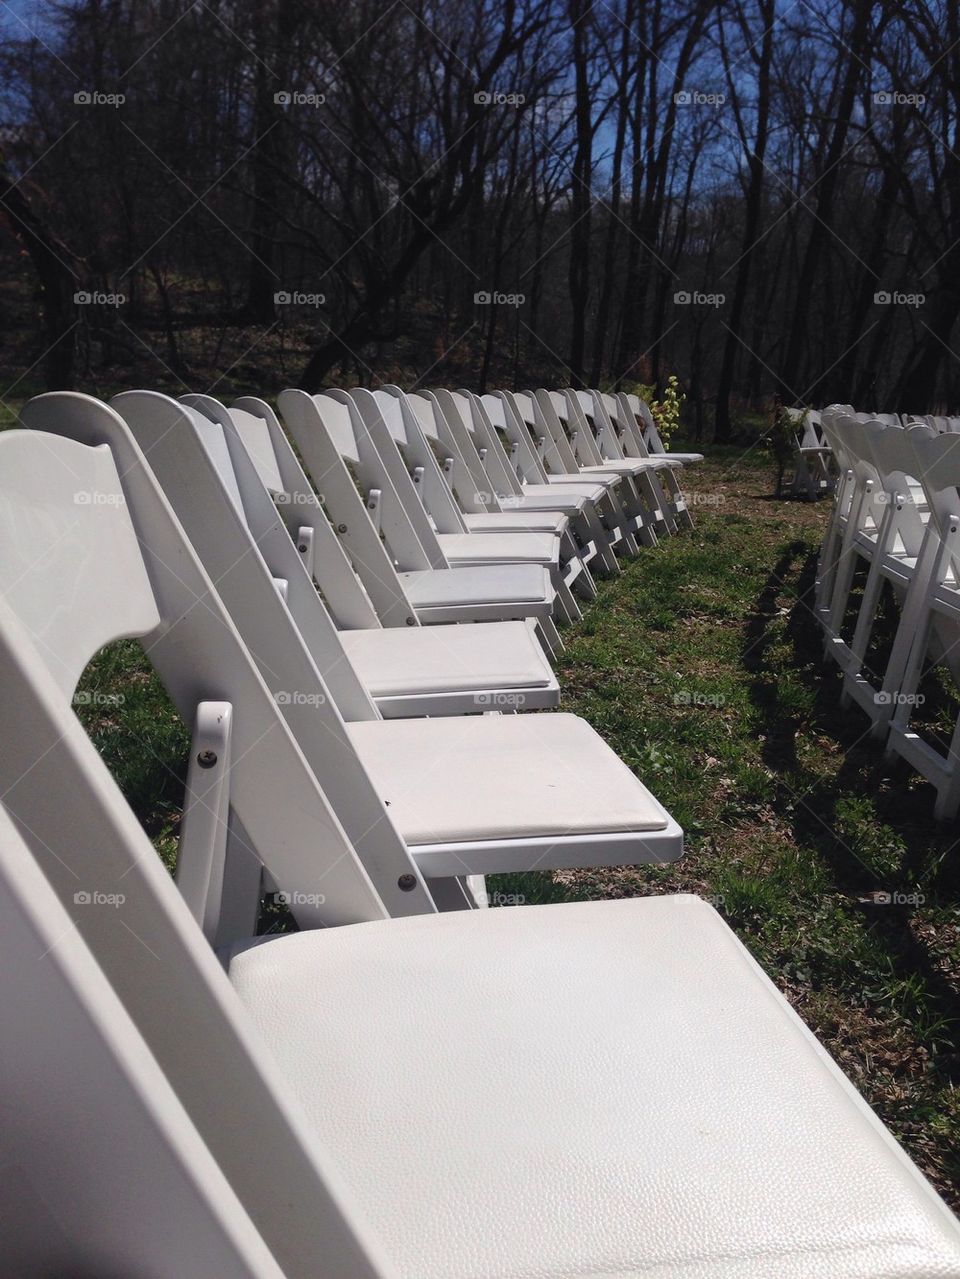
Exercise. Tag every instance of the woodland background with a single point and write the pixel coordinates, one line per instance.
(761, 196)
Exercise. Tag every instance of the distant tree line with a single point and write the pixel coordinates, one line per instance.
(761, 197)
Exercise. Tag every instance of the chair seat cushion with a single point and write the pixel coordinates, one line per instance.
(506, 548)
(599, 1090)
(444, 659)
(486, 584)
(630, 466)
(513, 521)
(540, 497)
(561, 487)
(502, 777)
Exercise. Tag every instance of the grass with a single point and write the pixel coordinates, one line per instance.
(701, 665)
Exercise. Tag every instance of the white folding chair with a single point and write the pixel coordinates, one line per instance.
(651, 434)
(930, 620)
(433, 1077)
(407, 456)
(454, 797)
(853, 533)
(407, 671)
(522, 449)
(621, 445)
(505, 485)
(400, 573)
(813, 475)
(636, 500)
(843, 496)
(477, 509)
(899, 554)
(103, 1170)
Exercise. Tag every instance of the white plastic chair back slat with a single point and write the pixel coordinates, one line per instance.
(100, 1155)
(298, 505)
(316, 423)
(413, 450)
(294, 644)
(162, 970)
(392, 415)
(254, 433)
(66, 541)
(443, 426)
(503, 476)
(339, 425)
(404, 521)
(199, 655)
(566, 460)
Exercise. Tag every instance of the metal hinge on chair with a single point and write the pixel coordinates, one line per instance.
(203, 828)
(305, 547)
(374, 507)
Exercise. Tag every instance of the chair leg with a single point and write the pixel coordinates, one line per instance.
(549, 636)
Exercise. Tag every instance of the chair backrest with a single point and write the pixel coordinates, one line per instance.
(546, 433)
(104, 1171)
(583, 441)
(479, 492)
(233, 527)
(66, 540)
(415, 449)
(258, 429)
(937, 469)
(122, 901)
(463, 477)
(195, 647)
(497, 463)
(651, 435)
(594, 409)
(381, 469)
(632, 420)
(893, 455)
(329, 435)
(520, 449)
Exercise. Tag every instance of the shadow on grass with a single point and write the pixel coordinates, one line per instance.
(815, 797)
